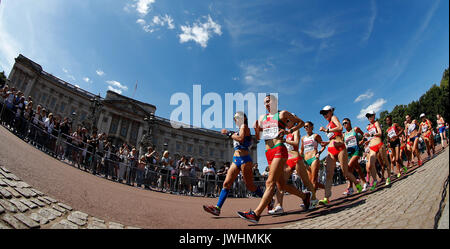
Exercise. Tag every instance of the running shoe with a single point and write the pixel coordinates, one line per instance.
(399, 174)
(277, 210)
(374, 185)
(324, 201)
(313, 204)
(249, 216)
(388, 181)
(358, 187)
(307, 200)
(420, 163)
(214, 210)
(366, 185)
(348, 191)
(405, 169)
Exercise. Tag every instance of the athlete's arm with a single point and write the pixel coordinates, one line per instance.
(336, 122)
(258, 128)
(302, 149)
(399, 128)
(296, 141)
(241, 136)
(322, 143)
(379, 131)
(296, 120)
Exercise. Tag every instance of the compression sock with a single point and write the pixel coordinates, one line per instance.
(222, 197)
(259, 192)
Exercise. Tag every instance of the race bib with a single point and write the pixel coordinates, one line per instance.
(330, 135)
(270, 129)
(424, 128)
(392, 133)
(289, 147)
(351, 141)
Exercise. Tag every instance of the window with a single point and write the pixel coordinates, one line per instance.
(63, 106)
(124, 128)
(211, 152)
(134, 132)
(82, 116)
(200, 150)
(189, 148)
(222, 154)
(43, 97)
(178, 146)
(114, 124)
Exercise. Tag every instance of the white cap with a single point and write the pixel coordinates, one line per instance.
(370, 113)
(326, 109)
(422, 115)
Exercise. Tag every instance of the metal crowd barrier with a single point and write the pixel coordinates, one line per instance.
(152, 176)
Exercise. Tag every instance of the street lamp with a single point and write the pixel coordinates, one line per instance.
(96, 105)
(147, 138)
(74, 118)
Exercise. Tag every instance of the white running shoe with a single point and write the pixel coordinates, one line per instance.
(276, 210)
(366, 186)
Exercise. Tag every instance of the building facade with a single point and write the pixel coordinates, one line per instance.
(123, 119)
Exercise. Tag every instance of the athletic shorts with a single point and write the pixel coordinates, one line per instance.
(353, 151)
(292, 162)
(336, 150)
(442, 129)
(239, 160)
(277, 151)
(376, 148)
(310, 161)
(395, 143)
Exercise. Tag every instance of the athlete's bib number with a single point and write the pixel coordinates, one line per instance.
(392, 133)
(351, 141)
(270, 130)
(424, 128)
(330, 135)
(289, 147)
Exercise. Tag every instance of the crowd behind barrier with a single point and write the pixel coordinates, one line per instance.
(94, 153)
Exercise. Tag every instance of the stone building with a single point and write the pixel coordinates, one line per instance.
(123, 119)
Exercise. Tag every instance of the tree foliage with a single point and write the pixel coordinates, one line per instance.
(434, 101)
(2, 79)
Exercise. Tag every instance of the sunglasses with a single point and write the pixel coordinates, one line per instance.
(344, 123)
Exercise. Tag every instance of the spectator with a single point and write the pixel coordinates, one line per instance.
(123, 155)
(185, 181)
(100, 152)
(150, 167)
(209, 174)
(64, 127)
(132, 165)
(140, 171)
(91, 152)
(164, 171)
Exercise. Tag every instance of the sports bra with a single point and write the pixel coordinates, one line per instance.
(290, 137)
(334, 134)
(440, 123)
(271, 125)
(309, 143)
(411, 128)
(245, 145)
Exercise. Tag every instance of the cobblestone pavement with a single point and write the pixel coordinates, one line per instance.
(23, 207)
(409, 203)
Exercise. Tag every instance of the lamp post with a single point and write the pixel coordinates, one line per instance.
(96, 105)
(147, 138)
(74, 120)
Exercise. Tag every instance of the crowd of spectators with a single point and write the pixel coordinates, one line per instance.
(93, 152)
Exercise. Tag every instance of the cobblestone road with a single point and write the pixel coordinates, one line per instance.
(409, 203)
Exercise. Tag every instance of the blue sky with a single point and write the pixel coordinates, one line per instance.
(353, 55)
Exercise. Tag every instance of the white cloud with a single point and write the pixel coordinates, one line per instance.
(376, 107)
(114, 90)
(371, 21)
(200, 32)
(65, 70)
(366, 95)
(143, 6)
(9, 47)
(87, 80)
(116, 84)
(99, 72)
